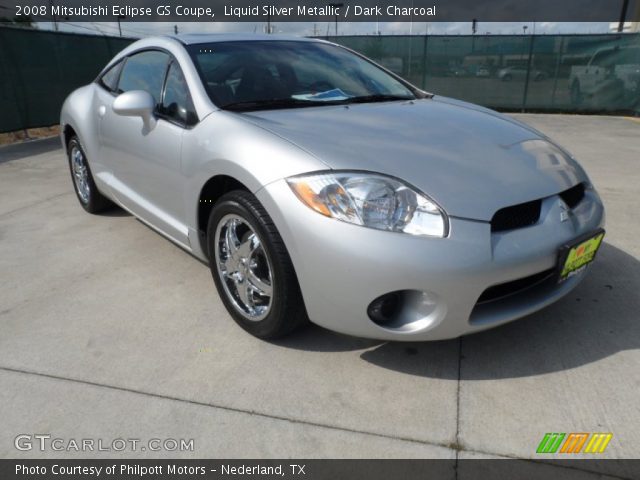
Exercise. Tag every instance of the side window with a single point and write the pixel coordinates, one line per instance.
(176, 102)
(109, 79)
(144, 71)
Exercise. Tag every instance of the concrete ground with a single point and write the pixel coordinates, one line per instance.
(110, 331)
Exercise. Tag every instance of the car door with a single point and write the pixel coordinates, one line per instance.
(145, 160)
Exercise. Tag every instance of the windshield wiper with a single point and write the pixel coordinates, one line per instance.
(273, 104)
(379, 97)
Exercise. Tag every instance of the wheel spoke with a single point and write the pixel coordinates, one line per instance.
(260, 286)
(254, 244)
(231, 238)
(249, 246)
(245, 295)
(223, 266)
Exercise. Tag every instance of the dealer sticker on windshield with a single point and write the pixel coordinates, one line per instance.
(575, 258)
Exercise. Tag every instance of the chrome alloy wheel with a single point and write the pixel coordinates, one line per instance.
(243, 267)
(80, 173)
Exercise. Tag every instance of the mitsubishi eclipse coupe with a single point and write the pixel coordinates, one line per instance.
(320, 186)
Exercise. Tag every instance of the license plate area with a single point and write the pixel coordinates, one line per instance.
(575, 256)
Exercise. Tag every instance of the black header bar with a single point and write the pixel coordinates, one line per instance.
(322, 11)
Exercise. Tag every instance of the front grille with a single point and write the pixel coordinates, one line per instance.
(573, 196)
(527, 214)
(516, 216)
(509, 288)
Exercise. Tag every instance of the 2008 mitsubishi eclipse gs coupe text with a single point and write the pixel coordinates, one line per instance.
(320, 186)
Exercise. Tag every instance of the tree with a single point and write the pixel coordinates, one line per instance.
(22, 21)
(26, 22)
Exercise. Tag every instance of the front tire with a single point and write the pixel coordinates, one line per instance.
(252, 269)
(85, 187)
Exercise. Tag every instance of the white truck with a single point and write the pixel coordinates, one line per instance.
(612, 75)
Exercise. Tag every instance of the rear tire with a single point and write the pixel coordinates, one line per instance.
(88, 194)
(252, 269)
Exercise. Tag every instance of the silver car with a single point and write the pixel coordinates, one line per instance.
(320, 186)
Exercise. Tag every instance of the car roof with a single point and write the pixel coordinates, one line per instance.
(196, 38)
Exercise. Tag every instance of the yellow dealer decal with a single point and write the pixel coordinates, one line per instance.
(580, 255)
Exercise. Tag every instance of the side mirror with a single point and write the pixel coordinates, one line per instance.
(136, 103)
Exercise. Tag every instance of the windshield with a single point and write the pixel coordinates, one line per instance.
(248, 75)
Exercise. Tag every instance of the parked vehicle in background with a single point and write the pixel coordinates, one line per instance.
(483, 72)
(477, 70)
(520, 73)
(456, 71)
(610, 73)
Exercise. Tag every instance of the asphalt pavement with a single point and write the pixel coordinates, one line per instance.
(108, 330)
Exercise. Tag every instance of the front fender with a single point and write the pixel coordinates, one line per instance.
(76, 113)
(227, 143)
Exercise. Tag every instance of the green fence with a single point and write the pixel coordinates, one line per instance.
(39, 69)
(569, 73)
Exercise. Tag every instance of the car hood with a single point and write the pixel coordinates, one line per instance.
(470, 160)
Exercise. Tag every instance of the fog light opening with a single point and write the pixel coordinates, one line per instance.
(384, 309)
(406, 310)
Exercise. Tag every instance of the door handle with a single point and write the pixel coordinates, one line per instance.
(102, 110)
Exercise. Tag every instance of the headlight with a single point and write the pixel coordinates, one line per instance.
(370, 200)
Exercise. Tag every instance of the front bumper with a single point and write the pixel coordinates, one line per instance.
(342, 268)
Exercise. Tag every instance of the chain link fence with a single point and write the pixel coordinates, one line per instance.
(564, 73)
(38, 69)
